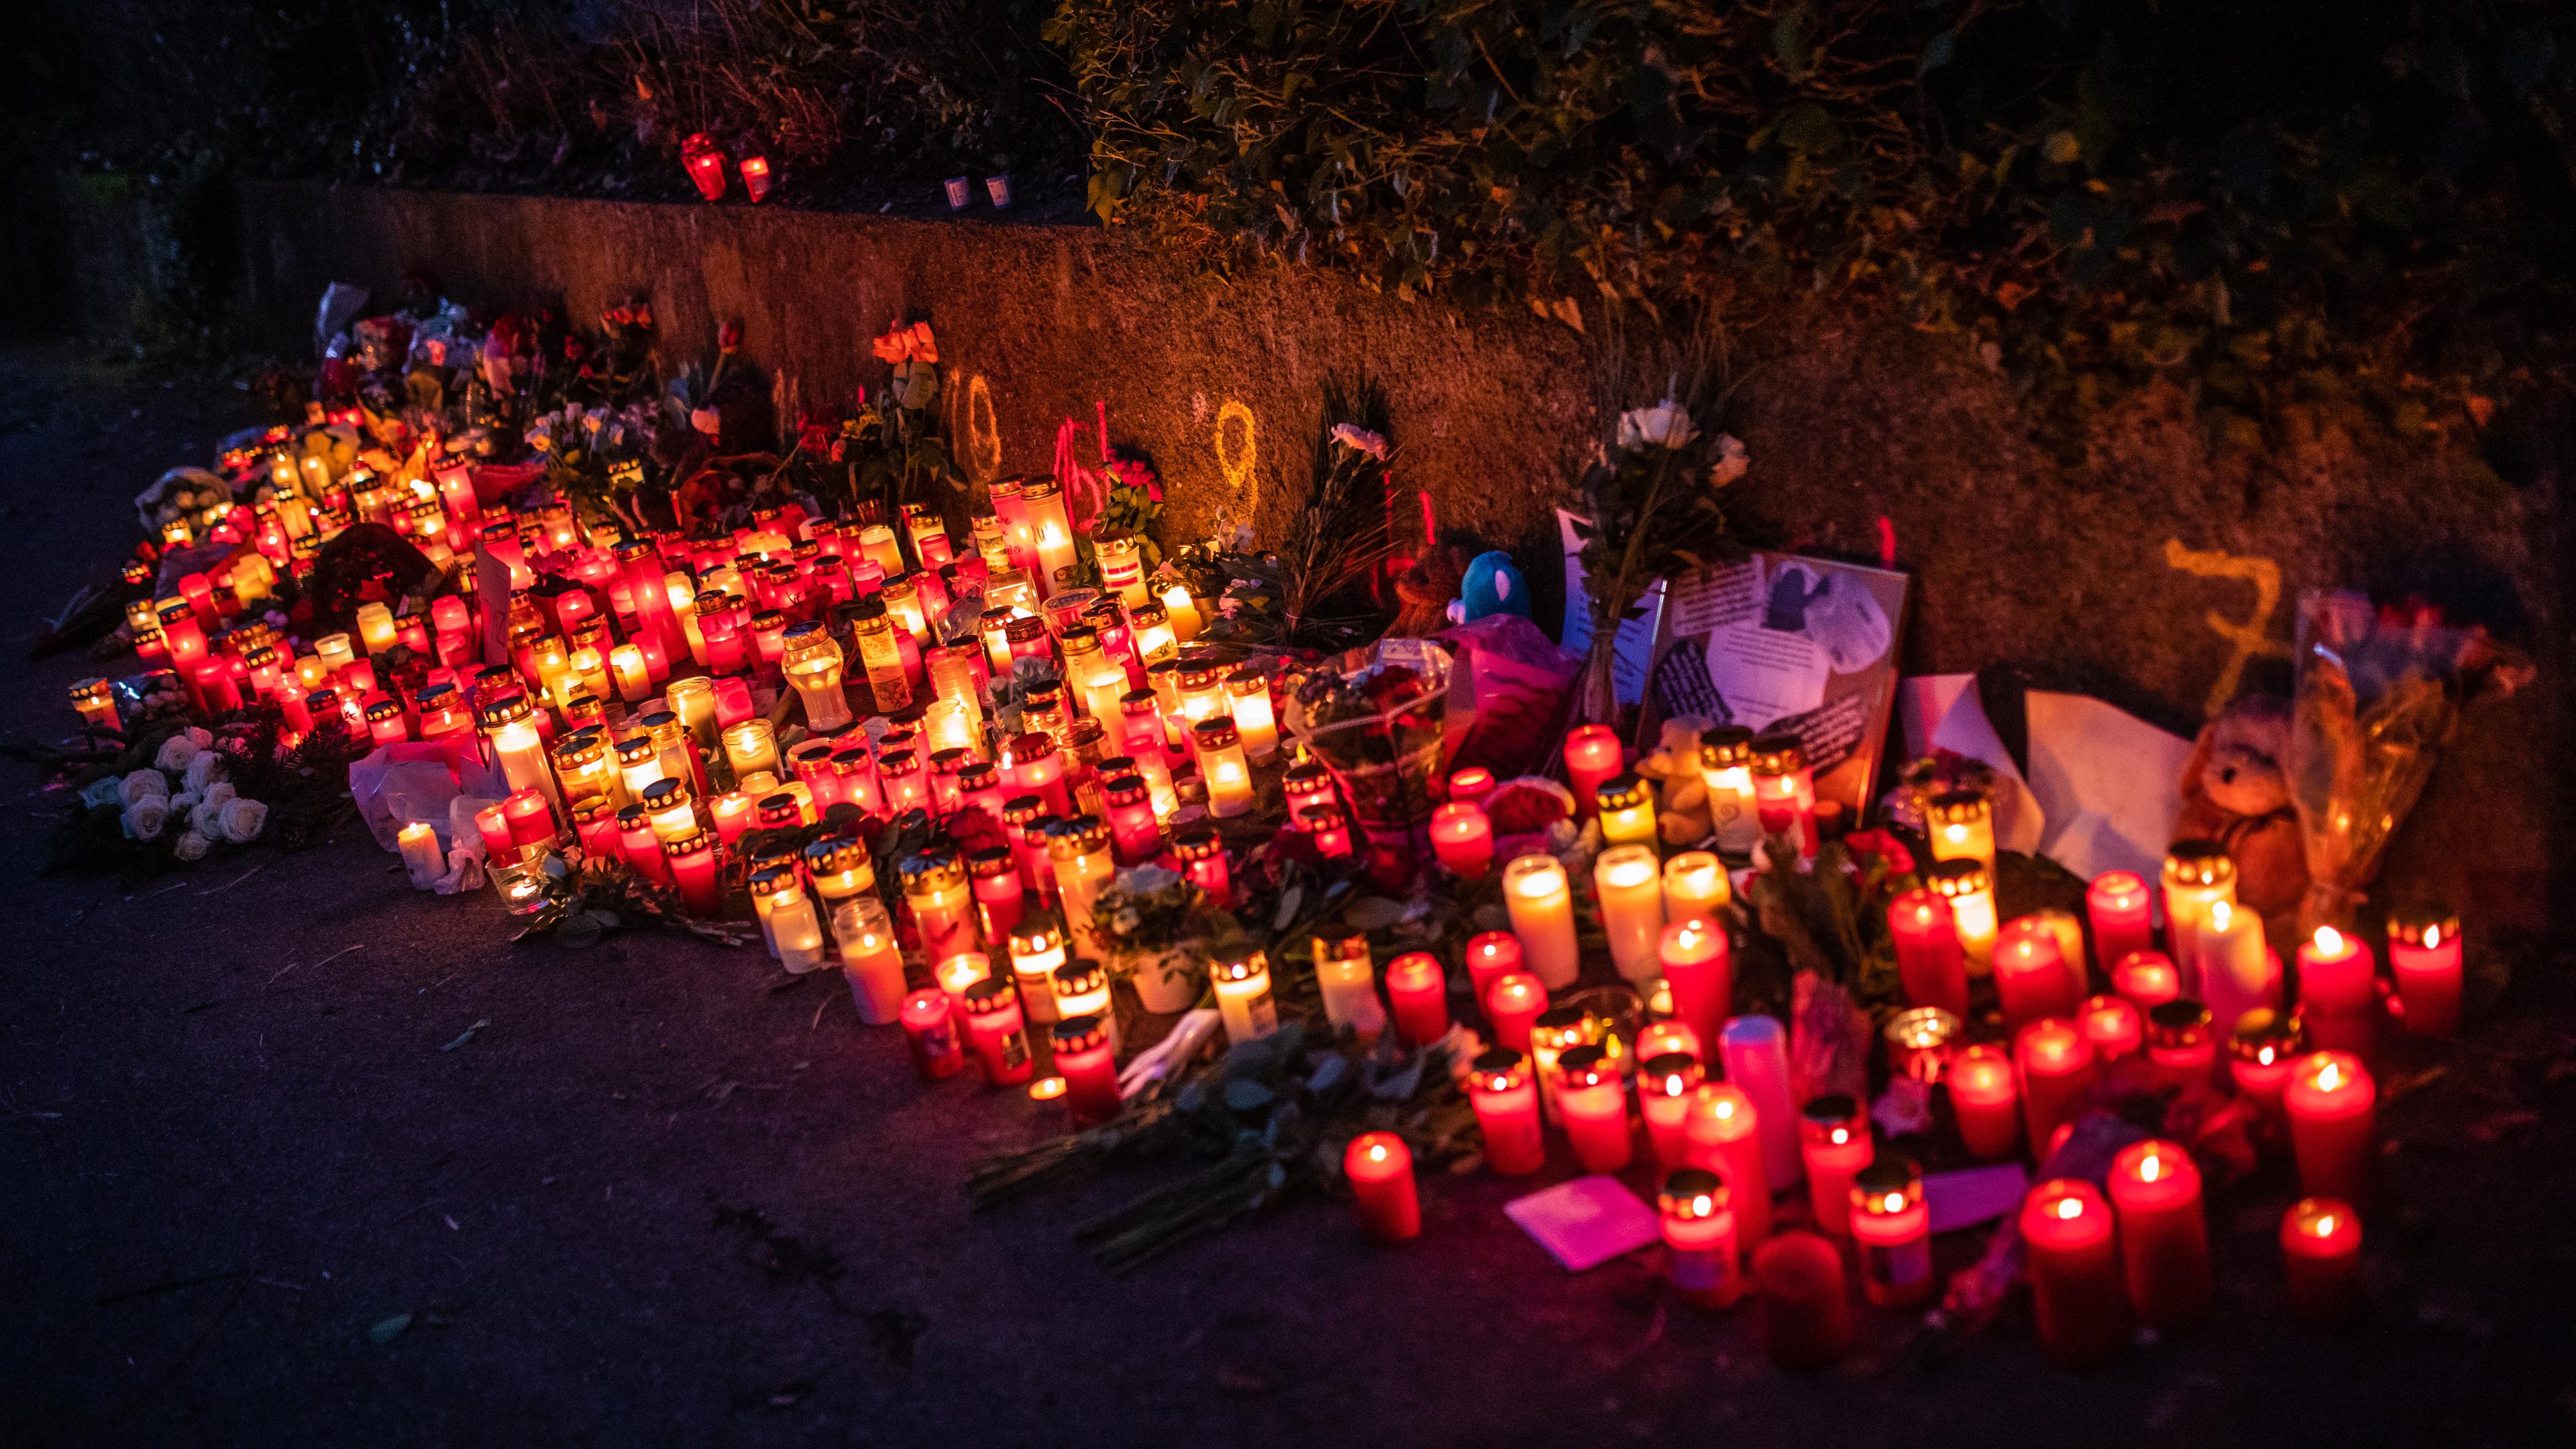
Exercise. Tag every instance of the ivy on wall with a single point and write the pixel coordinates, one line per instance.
(2270, 205)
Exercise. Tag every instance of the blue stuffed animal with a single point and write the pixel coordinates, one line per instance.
(1492, 586)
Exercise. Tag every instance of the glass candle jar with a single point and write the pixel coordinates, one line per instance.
(1969, 889)
(1037, 951)
(1833, 1145)
(1961, 826)
(692, 860)
(842, 870)
(1000, 899)
(2198, 874)
(1122, 566)
(751, 747)
(880, 655)
(812, 664)
(1201, 852)
(1891, 1229)
(1784, 790)
(1627, 806)
(510, 734)
(794, 927)
(1592, 1105)
(1243, 998)
(1541, 906)
(1667, 1083)
(1222, 765)
(1134, 834)
(1000, 1032)
(1346, 978)
(943, 909)
(1701, 1252)
(1247, 699)
(1081, 989)
(1051, 534)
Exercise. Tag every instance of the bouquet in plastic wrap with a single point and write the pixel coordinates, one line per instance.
(2379, 692)
(1375, 717)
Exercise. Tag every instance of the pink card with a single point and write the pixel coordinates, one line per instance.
(1586, 1222)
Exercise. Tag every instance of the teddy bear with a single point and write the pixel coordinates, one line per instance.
(2236, 792)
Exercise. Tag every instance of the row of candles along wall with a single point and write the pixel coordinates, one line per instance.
(1720, 1164)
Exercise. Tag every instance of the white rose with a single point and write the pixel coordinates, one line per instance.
(145, 818)
(192, 846)
(201, 771)
(219, 792)
(1665, 425)
(243, 820)
(184, 801)
(176, 752)
(201, 738)
(206, 820)
(144, 785)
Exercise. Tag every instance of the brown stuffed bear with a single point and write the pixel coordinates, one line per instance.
(2234, 791)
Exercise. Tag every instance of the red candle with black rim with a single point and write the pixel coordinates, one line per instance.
(2112, 1025)
(1505, 1100)
(1379, 1168)
(1834, 1144)
(930, 1030)
(1087, 1058)
(2424, 956)
(1419, 995)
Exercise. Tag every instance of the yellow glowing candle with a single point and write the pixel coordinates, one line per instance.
(1122, 570)
(1726, 768)
(1695, 886)
(634, 682)
(510, 726)
(1243, 999)
(1961, 824)
(1541, 904)
(376, 627)
(1627, 811)
(1248, 698)
(1629, 883)
(2198, 874)
(335, 652)
(1221, 764)
(1183, 612)
(1346, 977)
(1037, 949)
(752, 748)
(1970, 889)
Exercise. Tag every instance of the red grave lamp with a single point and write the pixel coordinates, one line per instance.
(706, 165)
(755, 177)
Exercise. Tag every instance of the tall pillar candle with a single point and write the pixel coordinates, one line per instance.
(1379, 1167)
(2164, 1234)
(2074, 1271)
(1931, 966)
(2237, 974)
(1541, 907)
(871, 957)
(1419, 994)
(2332, 1104)
(1834, 1145)
(1489, 955)
(1756, 1052)
(2338, 991)
(1628, 881)
(2032, 979)
(1699, 971)
(1970, 890)
(2424, 956)
(1514, 1004)
(1723, 1133)
(2197, 875)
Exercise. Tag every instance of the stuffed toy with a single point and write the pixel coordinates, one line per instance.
(1493, 585)
(2235, 792)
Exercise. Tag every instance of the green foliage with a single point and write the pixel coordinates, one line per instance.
(2266, 205)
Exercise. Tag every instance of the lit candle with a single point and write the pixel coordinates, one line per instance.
(1722, 1132)
(643, 851)
(1930, 964)
(1489, 955)
(1806, 1307)
(2180, 1045)
(2333, 1109)
(2147, 978)
(751, 747)
(1961, 826)
(1699, 972)
(626, 664)
(1629, 882)
(2112, 1025)
(1078, 852)
(1784, 790)
(1756, 1052)
(1087, 1055)
(2197, 875)
(1667, 1083)
(2057, 1071)
(2117, 904)
(1134, 833)
(999, 1031)
(510, 730)
(1420, 996)
(1463, 839)
(2074, 1273)
(1122, 570)
(1558, 1030)
(1834, 1145)
(1183, 609)
(693, 864)
(958, 972)
(929, 1029)
(1201, 853)
(1986, 1102)
(421, 856)
(673, 815)
(871, 957)
(1243, 1000)
(1037, 949)
(2164, 1234)
(2031, 979)
(1514, 1004)
(1725, 770)
(1248, 699)
(1969, 889)
(2236, 973)
(2321, 1261)
(1222, 766)
(2261, 1052)
(2424, 956)
(1592, 1102)
(794, 926)
(1541, 906)
(1891, 1229)
(1380, 1170)
(2338, 991)
(1699, 1238)
(1506, 1105)
(1592, 756)
(1627, 808)
(1918, 1043)
(1081, 988)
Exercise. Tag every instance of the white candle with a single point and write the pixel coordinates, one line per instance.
(634, 683)
(1629, 883)
(2236, 973)
(1243, 1000)
(421, 855)
(1695, 886)
(1541, 903)
(1346, 976)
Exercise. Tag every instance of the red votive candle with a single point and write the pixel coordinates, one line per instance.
(1471, 785)
(1592, 755)
(2261, 1053)
(2147, 978)
(595, 827)
(1202, 856)
(2333, 1108)
(642, 848)
(1490, 956)
(1592, 1103)
(2424, 956)
(500, 843)
(1724, 1135)
(1463, 838)
(2056, 1072)
(2321, 1261)
(2074, 1273)
(1667, 1083)
(2180, 1045)
(1930, 963)
(1699, 1238)
(692, 861)
(1514, 1005)
(531, 818)
(2164, 1234)
(929, 1029)
(1088, 1061)
(2338, 992)
(1834, 1143)
(2117, 905)
(999, 1030)
(1001, 899)
(1892, 1230)
(1419, 994)
(2112, 1025)
(1699, 971)
(1380, 1169)
(1806, 1315)
(2032, 979)
(1506, 1104)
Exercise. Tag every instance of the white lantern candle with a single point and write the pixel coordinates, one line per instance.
(1541, 904)
(1221, 764)
(1346, 977)
(1248, 695)
(518, 751)
(1629, 882)
(421, 855)
(1037, 949)
(1243, 999)
(1695, 886)
(1726, 768)
(634, 683)
(2236, 972)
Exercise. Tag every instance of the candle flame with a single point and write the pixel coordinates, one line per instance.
(2329, 941)
(1047, 1088)
(2329, 1077)
(2432, 937)
(1957, 832)
(1673, 1084)
(2070, 1208)
(2150, 1167)
(1501, 1084)
(2325, 1226)
(1841, 1136)
(2219, 914)
(1896, 1202)
(1377, 1152)
(1701, 1204)
(1725, 1107)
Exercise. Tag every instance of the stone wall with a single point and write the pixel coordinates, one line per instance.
(2101, 577)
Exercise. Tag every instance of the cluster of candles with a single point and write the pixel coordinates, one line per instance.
(1713, 1092)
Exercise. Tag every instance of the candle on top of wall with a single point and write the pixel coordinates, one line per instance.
(2332, 1105)
(2321, 1261)
(1379, 1167)
(1969, 889)
(1505, 1099)
(2164, 1234)
(1961, 826)
(1931, 966)
(1891, 1229)
(1541, 906)
(2424, 956)
(2119, 908)
(2074, 1269)
(1700, 1253)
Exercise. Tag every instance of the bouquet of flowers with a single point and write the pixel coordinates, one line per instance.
(1377, 717)
(1148, 920)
